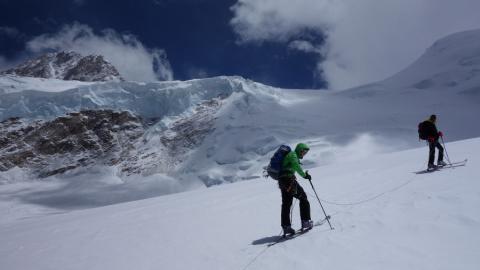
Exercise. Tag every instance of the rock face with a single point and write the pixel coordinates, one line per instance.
(68, 66)
(78, 139)
(103, 137)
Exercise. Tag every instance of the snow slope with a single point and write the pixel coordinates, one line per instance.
(445, 80)
(385, 217)
(12, 84)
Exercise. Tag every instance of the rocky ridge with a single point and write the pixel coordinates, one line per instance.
(68, 65)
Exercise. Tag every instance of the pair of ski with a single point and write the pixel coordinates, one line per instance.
(298, 232)
(450, 165)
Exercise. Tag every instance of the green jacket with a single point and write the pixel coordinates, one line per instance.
(291, 162)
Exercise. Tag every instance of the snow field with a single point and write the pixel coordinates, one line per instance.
(426, 221)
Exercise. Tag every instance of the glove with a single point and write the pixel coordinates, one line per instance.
(308, 176)
(431, 139)
(440, 134)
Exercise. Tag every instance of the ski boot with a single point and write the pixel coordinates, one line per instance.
(441, 163)
(431, 167)
(307, 225)
(288, 231)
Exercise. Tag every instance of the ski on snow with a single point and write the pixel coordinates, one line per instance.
(298, 232)
(450, 165)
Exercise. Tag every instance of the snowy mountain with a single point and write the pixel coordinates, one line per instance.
(67, 66)
(445, 80)
(217, 130)
(174, 118)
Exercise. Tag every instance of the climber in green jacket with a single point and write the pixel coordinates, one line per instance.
(291, 189)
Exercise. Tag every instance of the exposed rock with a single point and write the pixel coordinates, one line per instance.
(67, 66)
(103, 137)
(182, 135)
(78, 139)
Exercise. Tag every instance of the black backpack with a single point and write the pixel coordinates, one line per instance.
(274, 168)
(422, 130)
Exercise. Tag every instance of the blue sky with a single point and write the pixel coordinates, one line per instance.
(195, 35)
(292, 44)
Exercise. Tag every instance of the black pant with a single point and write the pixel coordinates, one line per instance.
(432, 146)
(291, 189)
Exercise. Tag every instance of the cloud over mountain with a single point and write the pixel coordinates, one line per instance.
(133, 60)
(366, 40)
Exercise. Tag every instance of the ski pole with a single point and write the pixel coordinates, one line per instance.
(446, 153)
(328, 219)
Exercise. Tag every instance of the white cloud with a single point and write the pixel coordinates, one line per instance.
(305, 46)
(132, 59)
(366, 40)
